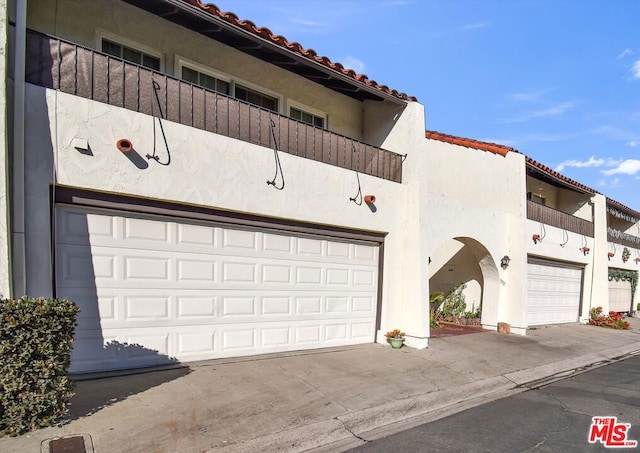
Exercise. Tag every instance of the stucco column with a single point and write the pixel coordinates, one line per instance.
(512, 301)
(596, 291)
(405, 303)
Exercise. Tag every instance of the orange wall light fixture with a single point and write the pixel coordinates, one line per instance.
(369, 199)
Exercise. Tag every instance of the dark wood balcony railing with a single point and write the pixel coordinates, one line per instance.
(619, 237)
(559, 219)
(60, 65)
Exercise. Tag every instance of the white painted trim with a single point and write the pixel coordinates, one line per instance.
(182, 61)
(232, 80)
(259, 89)
(103, 34)
(306, 109)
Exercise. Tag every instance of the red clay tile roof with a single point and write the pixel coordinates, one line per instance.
(309, 54)
(559, 176)
(469, 143)
(622, 207)
(503, 150)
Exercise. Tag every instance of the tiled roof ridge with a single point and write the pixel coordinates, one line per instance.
(503, 150)
(470, 143)
(560, 176)
(619, 205)
(281, 41)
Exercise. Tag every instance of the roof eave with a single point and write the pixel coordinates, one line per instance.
(361, 90)
(560, 181)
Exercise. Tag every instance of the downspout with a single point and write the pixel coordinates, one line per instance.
(16, 147)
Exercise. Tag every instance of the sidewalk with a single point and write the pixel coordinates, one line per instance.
(327, 400)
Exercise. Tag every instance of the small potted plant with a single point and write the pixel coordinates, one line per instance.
(396, 338)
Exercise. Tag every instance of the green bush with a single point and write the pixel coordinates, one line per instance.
(35, 344)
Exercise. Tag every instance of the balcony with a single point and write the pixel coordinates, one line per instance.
(559, 219)
(60, 65)
(619, 237)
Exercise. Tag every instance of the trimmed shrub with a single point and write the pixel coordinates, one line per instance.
(35, 345)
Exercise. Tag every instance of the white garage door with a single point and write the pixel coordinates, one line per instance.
(155, 290)
(553, 293)
(619, 295)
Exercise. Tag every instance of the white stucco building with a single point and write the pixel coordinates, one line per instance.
(197, 186)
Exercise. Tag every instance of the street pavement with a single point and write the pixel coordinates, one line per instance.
(557, 417)
(323, 401)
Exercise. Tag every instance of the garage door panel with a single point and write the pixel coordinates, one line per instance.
(553, 293)
(620, 297)
(144, 307)
(153, 290)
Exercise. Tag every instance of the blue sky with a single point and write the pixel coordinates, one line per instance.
(558, 80)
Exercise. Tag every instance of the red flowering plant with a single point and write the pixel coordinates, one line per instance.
(613, 320)
(395, 334)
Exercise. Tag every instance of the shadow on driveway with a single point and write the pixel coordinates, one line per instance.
(92, 394)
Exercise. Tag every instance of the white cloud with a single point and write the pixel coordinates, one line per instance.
(591, 162)
(554, 110)
(475, 25)
(308, 23)
(624, 53)
(635, 69)
(527, 97)
(354, 63)
(633, 143)
(626, 167)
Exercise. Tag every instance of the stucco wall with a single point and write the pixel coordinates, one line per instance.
(210, 170)
(478, 198)
(344, 114)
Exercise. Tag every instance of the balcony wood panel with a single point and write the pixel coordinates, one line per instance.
(60, 65)
(625, 239)
(559, 219)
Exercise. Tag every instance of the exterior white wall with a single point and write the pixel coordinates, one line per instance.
(407, 137)
(479, 198)
(5, 275)
(344, 114)
(211, 170)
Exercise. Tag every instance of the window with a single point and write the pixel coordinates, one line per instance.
(536, 198)
(205, 80)
(256, 98)
(306, 117)
(205, 77)
(130, 55)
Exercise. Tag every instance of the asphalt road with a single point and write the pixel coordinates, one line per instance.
(553, 418)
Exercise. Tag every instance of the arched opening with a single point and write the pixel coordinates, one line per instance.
(464, 260)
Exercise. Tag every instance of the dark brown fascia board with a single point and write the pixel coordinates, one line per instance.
(299, 58)
(75, 196)
(559, 182)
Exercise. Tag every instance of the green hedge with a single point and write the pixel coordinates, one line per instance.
(35, 345)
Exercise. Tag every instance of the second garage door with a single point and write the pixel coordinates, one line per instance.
(553, 293)
(153, 290)
(619, 295)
